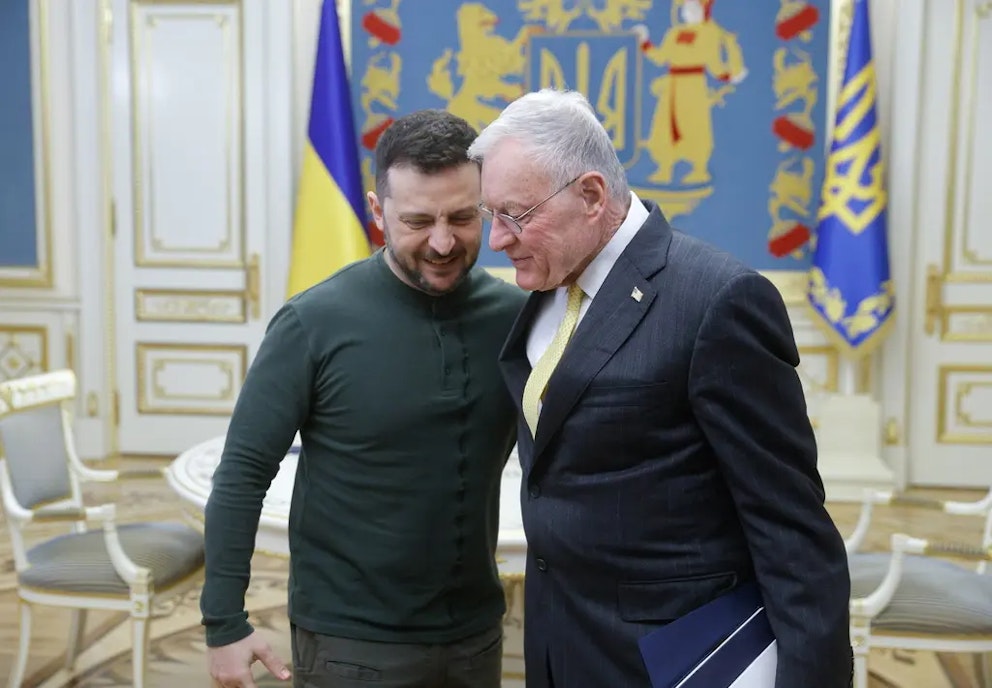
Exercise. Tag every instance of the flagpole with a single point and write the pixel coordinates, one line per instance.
(847, 369)
(847, 377)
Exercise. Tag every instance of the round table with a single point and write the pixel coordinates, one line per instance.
(190, 476)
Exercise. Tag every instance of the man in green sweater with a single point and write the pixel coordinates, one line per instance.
(388, 369)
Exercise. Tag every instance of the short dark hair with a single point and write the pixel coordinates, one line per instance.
(428, 140)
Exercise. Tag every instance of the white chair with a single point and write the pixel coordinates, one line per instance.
(913, 597)
(116, 567)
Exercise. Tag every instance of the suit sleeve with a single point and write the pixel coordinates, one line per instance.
(271, 407)
(748, 399)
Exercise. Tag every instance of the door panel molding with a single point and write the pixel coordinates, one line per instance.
(967, 249)
(964, 404)
(187, 84)
(189, 379)
(190, 305)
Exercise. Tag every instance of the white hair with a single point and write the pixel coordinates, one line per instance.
(561, 133)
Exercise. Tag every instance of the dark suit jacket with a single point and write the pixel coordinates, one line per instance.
(674, 459)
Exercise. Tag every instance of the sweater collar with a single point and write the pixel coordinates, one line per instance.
(394, 287)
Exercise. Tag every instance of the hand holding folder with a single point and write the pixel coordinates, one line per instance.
(726, 643)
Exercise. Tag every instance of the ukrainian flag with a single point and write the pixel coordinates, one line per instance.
(329, 227)
(849, 284)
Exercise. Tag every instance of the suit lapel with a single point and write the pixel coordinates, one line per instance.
(612, 316)
(619, 306)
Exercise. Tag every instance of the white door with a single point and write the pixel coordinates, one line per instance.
(190, 129)
(950, 386)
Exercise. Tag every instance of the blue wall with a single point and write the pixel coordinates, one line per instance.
(18, 244)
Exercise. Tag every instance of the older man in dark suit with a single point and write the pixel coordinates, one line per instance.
(666, 450)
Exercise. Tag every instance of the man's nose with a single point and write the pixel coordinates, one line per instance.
(500, 235)
(442, 238)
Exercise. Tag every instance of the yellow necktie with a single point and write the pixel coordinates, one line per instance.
(539, 376)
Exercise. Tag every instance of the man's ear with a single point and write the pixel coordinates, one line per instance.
(592, 187)
(376, 209)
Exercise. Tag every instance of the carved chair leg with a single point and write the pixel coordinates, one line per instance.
(77, 628)
(21, 663)
(139, 651)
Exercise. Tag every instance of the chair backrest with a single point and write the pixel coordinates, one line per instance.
(850, 424)
(33, 438)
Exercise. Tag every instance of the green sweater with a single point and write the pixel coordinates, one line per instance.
(406, 426)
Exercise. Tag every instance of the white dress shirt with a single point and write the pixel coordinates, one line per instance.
(552, 308)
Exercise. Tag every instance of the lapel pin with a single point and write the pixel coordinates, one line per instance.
(636, 295)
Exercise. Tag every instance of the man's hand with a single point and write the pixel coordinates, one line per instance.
(230, 665)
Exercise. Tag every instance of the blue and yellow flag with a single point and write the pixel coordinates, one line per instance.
(329, 227)
(849, 284)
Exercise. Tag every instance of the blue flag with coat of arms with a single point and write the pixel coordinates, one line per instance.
(850, 287)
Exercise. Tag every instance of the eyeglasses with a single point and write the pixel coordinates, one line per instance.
(513, 222)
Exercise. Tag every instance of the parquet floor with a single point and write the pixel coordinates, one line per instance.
(150, 498)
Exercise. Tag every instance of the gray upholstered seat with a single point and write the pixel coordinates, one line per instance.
(80, 562)
(921, 595)
(933, 597)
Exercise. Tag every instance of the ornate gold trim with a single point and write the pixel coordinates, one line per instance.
(70, 350)
(960, 394)
(92, 405)
(142, 350)
(40, 330)
(893, 433)
(34, 391)
(944, 435)
(141, 313)
(982, 334)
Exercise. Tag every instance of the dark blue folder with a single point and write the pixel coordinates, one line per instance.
(710, 647)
